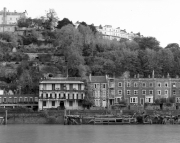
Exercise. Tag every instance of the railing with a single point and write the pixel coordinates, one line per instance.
(52, 98)
(64, 89)
(35, 102)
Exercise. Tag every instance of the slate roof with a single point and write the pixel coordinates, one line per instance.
(64, 80)
(98, 79)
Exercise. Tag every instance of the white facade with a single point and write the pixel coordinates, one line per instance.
(115, 33)
(61, 92)
(8, 20)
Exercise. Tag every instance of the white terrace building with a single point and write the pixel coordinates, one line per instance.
(8, 20)
(113, 33)
(65, 93)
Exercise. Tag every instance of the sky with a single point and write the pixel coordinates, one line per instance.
(156, 18)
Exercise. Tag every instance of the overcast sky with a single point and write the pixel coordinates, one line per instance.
(157, 18)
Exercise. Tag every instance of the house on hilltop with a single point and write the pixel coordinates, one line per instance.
(8, 20)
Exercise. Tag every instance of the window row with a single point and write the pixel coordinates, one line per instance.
(62, 96)
(159, 92)
(143, 92)
(97, 85)
(128, 84)
(97, 94)
(18, 99)
(176, 92)
(54, 103)
(147, 100)
(62, 87)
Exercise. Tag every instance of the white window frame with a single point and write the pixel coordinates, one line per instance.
(135, 92)
(128, 84)
(143, 91)
(149, 100)
(173, 84)
(158, 84)
(143, 84)
(150, 91)
(174, 92)
(120, 92)
(158, 92)
(166, 84)
(135, 84)
(166, 92)
(133, 99)
(150, 84)
(177, 99)
(104, 85)
(120, 84)
(128, 92)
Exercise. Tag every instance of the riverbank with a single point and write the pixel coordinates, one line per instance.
(35, 118)
(57, 116)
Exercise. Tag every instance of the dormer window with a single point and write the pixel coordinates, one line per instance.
(159, 84)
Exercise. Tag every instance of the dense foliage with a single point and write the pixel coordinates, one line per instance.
(78, 52)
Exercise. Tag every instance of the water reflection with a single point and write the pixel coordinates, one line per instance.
(89, 134)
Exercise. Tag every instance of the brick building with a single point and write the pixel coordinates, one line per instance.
(19, 100)
(143, 90)
(99, 85)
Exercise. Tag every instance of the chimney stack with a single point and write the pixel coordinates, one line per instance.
(138, 76)
(90, 77)
(4, 15)
(153, 74)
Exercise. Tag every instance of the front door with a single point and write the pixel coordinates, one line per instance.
(104, 103)
(61, 104)
(142, 101)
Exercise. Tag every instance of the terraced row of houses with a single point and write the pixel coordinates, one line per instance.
(69, 92)
(134, 90)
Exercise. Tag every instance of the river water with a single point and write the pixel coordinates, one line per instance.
(89, 133)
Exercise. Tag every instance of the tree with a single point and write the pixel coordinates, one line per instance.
(88, 99)
(148, 42)
(25, 22)
(69, 44)
(38, 23)
(129, 62)
(51, 20)
(172, 45)
(83, 23)
(132, 45)
(63, 22)
(166, 61)
(93, 28)
(9, 37)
